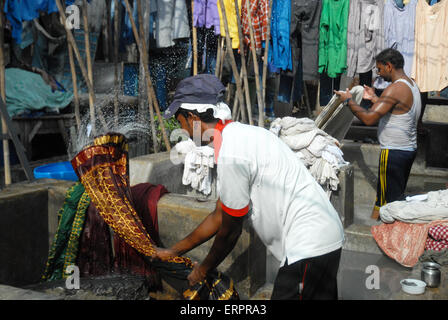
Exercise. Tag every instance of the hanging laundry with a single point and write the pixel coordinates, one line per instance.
(430, 65)
(280, 56)
(198, 163)
(259, 12)
(171, 23)
(205, 14)
(304, 30)
(333, 37)
(365, 35)
(399, 26)
(17, 11)
(229, 7)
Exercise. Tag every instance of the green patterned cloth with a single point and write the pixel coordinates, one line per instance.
(64, 249)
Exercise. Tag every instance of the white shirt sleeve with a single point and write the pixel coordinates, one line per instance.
(234, 185)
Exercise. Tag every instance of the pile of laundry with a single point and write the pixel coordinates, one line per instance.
(198, 163)
(415, 229)
(319, 151)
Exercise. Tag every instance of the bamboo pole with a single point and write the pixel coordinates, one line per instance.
(243, 65)
(89, 63)
(223, 56)
(266, 51)
(195, 41)
(6, 163)
(143, 52)
(75, 86)
(257, 74)
(144, 62)
(218, 57)
(116, 52)
(82, 66)
(232, 61)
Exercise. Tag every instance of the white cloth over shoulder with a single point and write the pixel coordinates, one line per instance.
(418, 209)
(197, 165)
(319, 151)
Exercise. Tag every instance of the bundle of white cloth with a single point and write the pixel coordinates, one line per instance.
(421, 208)
(319, 151)
(198, 163)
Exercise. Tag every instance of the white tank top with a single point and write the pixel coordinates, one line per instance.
(399, 131)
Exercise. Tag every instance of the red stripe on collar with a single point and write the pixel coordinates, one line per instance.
(217, 136)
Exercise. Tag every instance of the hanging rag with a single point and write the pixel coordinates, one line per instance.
(198, 162)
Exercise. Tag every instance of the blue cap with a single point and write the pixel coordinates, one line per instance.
(202, 88)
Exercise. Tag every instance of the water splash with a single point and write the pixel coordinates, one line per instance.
(128, 123)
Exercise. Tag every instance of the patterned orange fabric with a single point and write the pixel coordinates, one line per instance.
(102, 168)
(259, 14)
(401, 241)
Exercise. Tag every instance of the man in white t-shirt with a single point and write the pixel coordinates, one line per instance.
(261, 179)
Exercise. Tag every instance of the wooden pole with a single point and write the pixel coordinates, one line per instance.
(82, 66)
(218, 57)
(6, 163)
(89, 64)
(233, 62)
(144, 62)
(243, 65)
(266, 51)
(257, 74)
(223, 56)
(116, 52)
(151, 93)
(75, 86)
(195, 41)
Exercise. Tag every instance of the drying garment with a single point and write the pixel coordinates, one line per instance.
(435, 207)
(365, 35)
(280, 55)
(259, 13)
(171, 23)
(17, 11)
(336, 119)
(205, 14)
(318, 151)
(430, 64)
(229, 8)
(198, 163)
(438, 238)
(102, 168)
(304, 36)
(27, 91)
(333, 37)
(399, 27)
(403, 242)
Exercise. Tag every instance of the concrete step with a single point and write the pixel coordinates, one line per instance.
(358, 238)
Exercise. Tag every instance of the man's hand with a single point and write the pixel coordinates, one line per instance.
(369, 94)
(197, 274)
(164, 254)
(343, 95)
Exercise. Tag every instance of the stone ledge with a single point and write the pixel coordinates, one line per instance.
(359, 238)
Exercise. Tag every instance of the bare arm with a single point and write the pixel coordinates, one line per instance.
(381, 106)
(225, 241)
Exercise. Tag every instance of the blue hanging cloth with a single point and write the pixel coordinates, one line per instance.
(17, 11)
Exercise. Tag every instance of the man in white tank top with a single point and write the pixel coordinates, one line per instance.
(396, 112)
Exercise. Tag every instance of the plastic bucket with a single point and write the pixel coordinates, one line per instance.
(59, 170)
